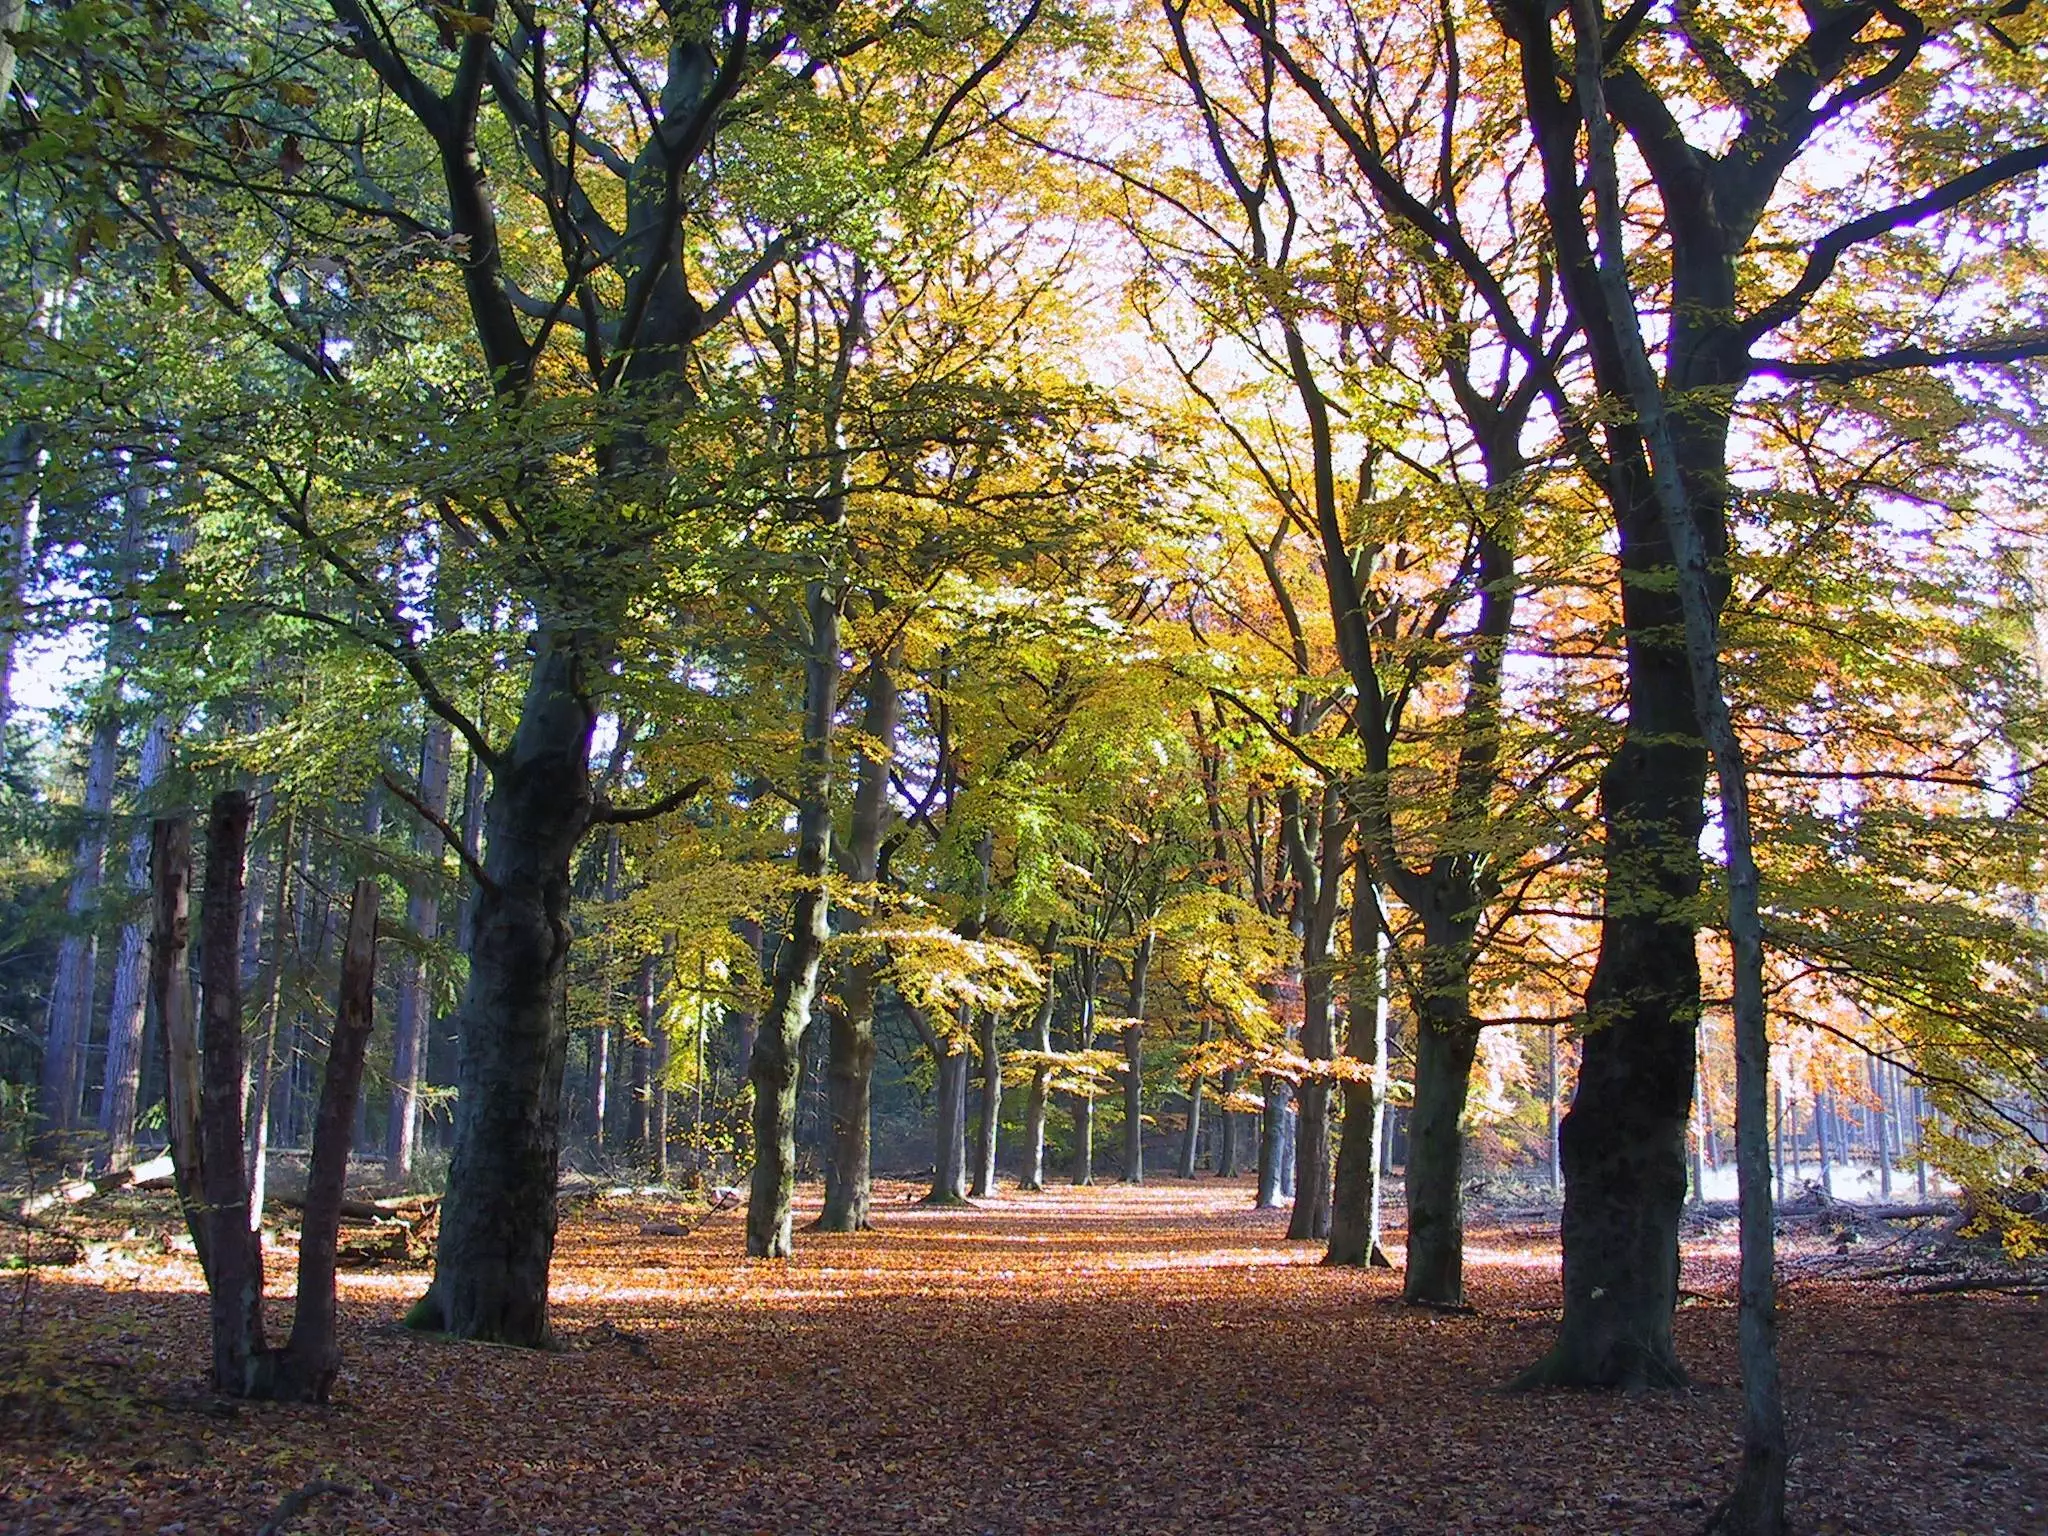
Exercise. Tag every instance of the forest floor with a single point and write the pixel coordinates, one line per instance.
(1117, 1360)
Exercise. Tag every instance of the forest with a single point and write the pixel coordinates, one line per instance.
(1013, 765)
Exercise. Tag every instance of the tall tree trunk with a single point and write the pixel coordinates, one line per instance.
(598, 1083)
(1756, 1507)
(1134, 1065)
(1041, 1075)
(1821, 1151)
(170, 871)
(304, 1370)
(234, 1252)
(1355, 1195)
(270, 997)
(949, 1089)
(125, 1017)
(20, 455)
(1310, 1217)
(1087, 968)
(1550, 1110)
(1226, 1127)
(414, 1012)
(71, 994)
(850, 1050)
(1273, 1144)
(1444, 1052)
(657, 1067)
(1191, 1133)
(497, 1233)
(990, 1124)
(777, 1047)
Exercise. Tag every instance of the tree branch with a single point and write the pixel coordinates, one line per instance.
(605, 814)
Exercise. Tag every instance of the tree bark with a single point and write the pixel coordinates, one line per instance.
(1087, 968)
(20, 451)
(234, 1252)
(1756, 1507)
(949, 1152)
(71, 993)
(657, 1068)
(1041, 1075)
(270, 997)
(1191, 1133)
(850, 1048)
(1134, 1065)
(304, 1370)
(1226, 1129)
(1444, 1051)
(126, 1016)
(990, 1123)
(414, 1012)
(1355, 1195)
(170, 866)
(778, 1045)
(1273, 1145)
(497, 1228)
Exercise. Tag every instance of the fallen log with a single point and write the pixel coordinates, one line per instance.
(410, 1208)
(136, 1176)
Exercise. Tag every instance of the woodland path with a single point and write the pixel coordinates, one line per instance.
(1106, 1360)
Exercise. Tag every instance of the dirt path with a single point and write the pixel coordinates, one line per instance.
(1109, 1360)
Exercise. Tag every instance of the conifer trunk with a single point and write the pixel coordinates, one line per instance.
(414, 1012)
(126, 1015)
(71, 993)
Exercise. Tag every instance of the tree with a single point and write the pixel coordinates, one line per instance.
(1623, 1142)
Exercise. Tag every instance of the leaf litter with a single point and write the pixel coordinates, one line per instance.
(1117, 1359)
